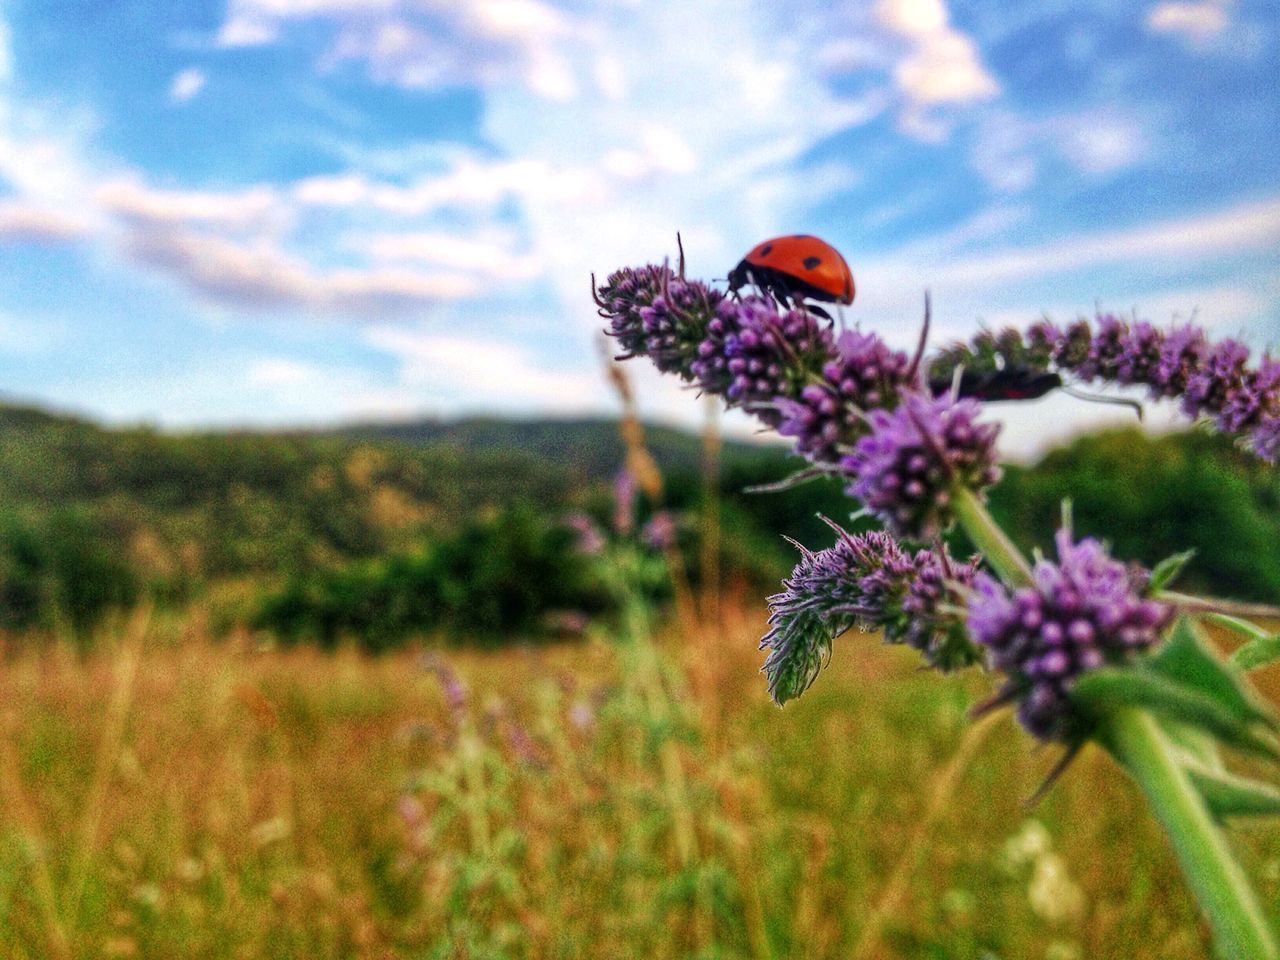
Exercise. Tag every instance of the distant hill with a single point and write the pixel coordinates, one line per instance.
(590, 446)
(91, 516)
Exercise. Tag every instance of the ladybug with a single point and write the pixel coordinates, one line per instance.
(795, 268)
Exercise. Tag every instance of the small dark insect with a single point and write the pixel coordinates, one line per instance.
(1008, 383)
(796, 268)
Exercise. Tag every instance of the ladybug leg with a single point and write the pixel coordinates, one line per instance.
(817, 311)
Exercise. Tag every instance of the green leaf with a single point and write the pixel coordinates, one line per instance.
(1197, 746)
(1228, 795)
(1242, 627)
(1188, 661)
(1101, 691)
(1168, 570)
(797, 653)
(1257, 653)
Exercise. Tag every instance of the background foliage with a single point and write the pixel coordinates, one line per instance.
(387, 533)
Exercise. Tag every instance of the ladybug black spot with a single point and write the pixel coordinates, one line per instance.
(811, 262)
(764, 251)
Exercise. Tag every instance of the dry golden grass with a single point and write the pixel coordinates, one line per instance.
(190, 800)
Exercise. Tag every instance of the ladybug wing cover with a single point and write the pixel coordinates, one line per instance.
(810, 260)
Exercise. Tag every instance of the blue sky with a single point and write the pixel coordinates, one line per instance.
(312, 211)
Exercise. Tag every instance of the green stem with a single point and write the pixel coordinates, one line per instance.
(1138, 743)
(1240, 929)
(991, 541)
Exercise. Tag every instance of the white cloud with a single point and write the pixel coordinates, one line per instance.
(261, 277)
(942, 66)
(1009, 150)
(282, 372)
(186, 85)
(133, 200)
(27, 337)
(1102, 142)
(21, 223)
(489, 254)
(486, 373)
(472, 183)
(426, 43)
(1249, 226)
(1196, 23)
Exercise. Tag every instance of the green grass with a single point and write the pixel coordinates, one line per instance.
(593, 800)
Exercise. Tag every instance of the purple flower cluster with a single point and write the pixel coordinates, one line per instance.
(675, 323)
(655, 313)
(938, 585)
(828, 416)
(1212, 380)
(621, 298)
(865, 580)
(766, 356)
(1083, 612)
(906, 469)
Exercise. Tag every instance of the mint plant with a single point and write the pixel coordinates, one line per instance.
(1089, 649)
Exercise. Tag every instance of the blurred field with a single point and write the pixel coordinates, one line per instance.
(173, 798)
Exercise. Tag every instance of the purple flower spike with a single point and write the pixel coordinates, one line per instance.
(827, 417)
(661, 531)
(865, 580)
(591, 541)
(907, 468)
(1212, 380)
(926, 624)
(1083, 612)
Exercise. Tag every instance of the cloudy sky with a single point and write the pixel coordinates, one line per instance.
(310, 211)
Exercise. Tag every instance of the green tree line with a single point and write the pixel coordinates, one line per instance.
(384, 535)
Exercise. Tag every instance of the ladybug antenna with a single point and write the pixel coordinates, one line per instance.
(924, 337)
(680, 247)
(1099, 398)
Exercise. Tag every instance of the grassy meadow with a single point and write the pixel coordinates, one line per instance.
(167, 796)
(199, 757)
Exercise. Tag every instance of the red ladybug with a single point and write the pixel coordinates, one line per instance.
(795, 268)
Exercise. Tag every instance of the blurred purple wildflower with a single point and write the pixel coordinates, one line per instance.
(521, 744)
(412, 812)
(624, 501)
(590, 539)
(907, 468)
(827, 417)
(582, 715)
(1084, 611)
(865, 580)
(451, 685)
(660, 532)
